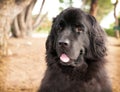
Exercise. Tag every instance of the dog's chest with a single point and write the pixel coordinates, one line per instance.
(69, 83)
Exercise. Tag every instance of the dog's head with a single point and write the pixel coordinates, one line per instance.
(75, 37)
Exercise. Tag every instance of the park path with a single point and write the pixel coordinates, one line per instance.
(23, 70)
(113, 64)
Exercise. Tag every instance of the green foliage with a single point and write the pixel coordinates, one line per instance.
(110, 32)
(65, 3)
(119, 20)
(43, 29)
(104, 7)
(44, 26)
(61, 1)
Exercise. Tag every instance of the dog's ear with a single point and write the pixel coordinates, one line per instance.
(50, 43)
(97, 38)
(54, 19)
(50, 38)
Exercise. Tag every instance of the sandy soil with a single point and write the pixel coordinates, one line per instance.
(23, 70)
(113, 64)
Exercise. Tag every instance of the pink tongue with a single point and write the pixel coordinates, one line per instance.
(64, 58)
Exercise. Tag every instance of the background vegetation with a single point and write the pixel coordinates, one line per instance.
(22, 52)
(19, 21)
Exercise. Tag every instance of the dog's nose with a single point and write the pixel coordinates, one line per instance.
(64, 43)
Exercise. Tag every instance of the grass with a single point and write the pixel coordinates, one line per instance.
(110, 32)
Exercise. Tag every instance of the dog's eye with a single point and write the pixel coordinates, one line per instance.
(61, 25)
(60, 28)
(78, 29)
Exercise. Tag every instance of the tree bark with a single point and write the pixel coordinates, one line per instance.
(117, 33)
(9, 9)
(26, 22)
(29, 19)
(93, 7)
(21, 23)
(15, 28)
(4, 29)
(38, 18)
(40, 21)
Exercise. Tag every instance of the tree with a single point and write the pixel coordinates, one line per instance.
(18, 11)
(9, 9)
(117, 33)
(93, 7)
(24, 23)
(102, 9)
(67, 3)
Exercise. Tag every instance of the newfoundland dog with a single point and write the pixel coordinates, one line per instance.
(75, 51)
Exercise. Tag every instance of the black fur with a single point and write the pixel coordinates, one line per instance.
(83, 41)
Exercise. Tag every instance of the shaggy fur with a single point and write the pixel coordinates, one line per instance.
(78, 37)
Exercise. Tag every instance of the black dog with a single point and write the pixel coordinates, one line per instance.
(75, 51)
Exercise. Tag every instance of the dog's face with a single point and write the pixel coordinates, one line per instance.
(72, 36)
(72, 39)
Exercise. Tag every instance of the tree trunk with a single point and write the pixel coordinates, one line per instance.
(40, 21)
(38, 18)
(28, 17)
(93, 7)
(24, 19)
(15, 28)
(117, 33)
(26, 23)
(4, 29)
(21, 23)
(8, 10)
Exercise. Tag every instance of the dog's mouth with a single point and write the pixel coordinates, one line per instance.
(64, 58)
(68, 61)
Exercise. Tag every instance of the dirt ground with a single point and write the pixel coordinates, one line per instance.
(23, 70)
